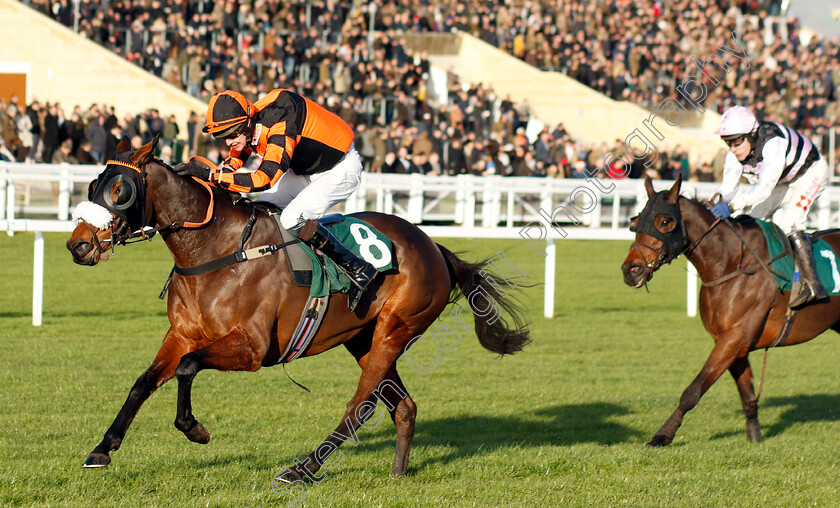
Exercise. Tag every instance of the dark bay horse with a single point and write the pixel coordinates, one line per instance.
(742, 313)
(241, 317)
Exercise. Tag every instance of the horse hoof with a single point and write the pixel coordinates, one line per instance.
(97, 460)
(288, 475)
(658, 441)
(198, 434)
(754, 435)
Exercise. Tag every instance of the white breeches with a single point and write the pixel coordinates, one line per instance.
(310, 197)
(793, 201)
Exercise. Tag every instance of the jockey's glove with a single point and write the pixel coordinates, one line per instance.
(193, 168)
(721, 211)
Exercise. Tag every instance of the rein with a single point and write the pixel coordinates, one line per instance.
(750, 270)
(179, 225)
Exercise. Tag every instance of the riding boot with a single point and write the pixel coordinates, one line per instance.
(812, 289)
(360, 272)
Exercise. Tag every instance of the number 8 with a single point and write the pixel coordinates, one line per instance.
(367, 241)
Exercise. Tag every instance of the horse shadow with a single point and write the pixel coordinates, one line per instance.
(472, 435)
(821, 407)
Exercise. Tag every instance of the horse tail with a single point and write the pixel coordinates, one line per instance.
(495, 332)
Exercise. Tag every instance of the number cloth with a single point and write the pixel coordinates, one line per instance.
(825, 257)
(361, 238)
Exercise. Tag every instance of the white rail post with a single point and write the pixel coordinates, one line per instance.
(691, 291)
(38, 279)
(10, 206)
(4, 175)
(65, 185)
(510, 207)
(415, 199)
(460, 199)
(469, 203)
(550, 261)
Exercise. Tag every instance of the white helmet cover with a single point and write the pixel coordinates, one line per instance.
(737, 120)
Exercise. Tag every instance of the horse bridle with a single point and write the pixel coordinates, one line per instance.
(120, 225)
(672, 245)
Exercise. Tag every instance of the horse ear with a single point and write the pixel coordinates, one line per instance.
(124, 145)
(145, 153)
(649, 187)
(674, 193)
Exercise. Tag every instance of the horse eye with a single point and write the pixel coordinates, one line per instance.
(123, 194)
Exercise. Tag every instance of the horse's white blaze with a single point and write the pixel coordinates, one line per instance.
(96, 215)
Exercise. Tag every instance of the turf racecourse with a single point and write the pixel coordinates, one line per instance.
(562, 423)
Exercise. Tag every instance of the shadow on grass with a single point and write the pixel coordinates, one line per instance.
(801, 409)
(471, 435)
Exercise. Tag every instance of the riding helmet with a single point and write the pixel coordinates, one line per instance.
(227, 112)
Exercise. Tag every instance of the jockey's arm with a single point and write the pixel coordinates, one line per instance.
(772, 165)
(276, 161)
(730, 184)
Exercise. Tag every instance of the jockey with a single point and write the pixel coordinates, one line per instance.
(308, 164)
(787, 173)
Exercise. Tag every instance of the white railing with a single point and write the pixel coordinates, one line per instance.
(46, 191)
(540, 211)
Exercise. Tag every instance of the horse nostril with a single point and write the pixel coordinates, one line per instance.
(636, 270)
(82, 248)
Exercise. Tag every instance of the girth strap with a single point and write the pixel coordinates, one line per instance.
(231, 259)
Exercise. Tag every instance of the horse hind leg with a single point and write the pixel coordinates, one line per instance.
(403, 412)
(742, 373)
(400, 405)
(379, 381)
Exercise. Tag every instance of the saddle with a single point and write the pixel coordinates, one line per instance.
(783, 268)
(300, 263)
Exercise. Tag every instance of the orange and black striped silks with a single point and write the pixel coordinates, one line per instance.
(291, 133)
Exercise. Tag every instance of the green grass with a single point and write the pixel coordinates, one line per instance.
(562, 423)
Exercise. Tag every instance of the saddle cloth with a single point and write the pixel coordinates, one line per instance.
(828, 265)
(319, 272)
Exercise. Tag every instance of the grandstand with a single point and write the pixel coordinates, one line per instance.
(565, 82)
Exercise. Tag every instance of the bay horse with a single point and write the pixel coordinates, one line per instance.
(241, 317)
(743, 309)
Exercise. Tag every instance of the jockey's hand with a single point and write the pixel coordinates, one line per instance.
(721, 211)
(193, 168)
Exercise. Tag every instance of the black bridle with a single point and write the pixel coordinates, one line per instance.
(674, 242)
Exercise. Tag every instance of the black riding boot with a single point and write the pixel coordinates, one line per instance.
(360, 272)
(812, 289)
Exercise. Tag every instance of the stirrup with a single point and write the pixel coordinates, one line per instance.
(354, 295)
(806, 297)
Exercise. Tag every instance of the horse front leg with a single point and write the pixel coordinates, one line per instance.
(234, 352)
(742, 373)
(726, 349)
(159, 372)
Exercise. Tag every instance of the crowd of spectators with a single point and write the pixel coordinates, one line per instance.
(626, 49)
(640, 51)
(47, 133)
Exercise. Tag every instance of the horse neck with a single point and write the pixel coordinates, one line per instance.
(716, 251)
(176, 199)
